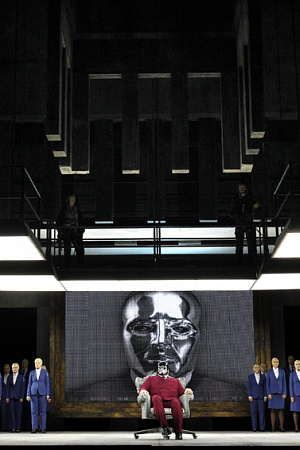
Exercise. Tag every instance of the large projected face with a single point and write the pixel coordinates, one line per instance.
(161, 326)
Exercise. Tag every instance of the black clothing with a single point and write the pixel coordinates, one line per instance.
(242, 209)
(69, 219)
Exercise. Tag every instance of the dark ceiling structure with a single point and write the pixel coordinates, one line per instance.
(150, 111)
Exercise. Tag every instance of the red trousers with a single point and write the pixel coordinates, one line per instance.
(159, 404)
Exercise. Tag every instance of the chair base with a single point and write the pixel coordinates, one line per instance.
(160, 430)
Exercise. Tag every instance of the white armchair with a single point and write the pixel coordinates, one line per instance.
(147, 409)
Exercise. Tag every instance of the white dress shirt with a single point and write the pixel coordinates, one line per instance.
(15, 376)
(38, 372)
(298, 374)
(276, 372)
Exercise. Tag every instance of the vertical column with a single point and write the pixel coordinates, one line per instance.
(247, 161)
(207, 169)
(65, 162)
(230, 121)
(130, 124)
(59, 148)
(262, 337)
(252, 145)
(180, 124)
(102, 168)
(6, 179)
(54, 73)
(256, 90)
(80, 124)
(57, 348)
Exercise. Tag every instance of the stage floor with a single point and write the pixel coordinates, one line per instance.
(126, 438)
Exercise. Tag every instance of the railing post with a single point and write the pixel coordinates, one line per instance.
(22, 196)
(48, 242)
(265, 239)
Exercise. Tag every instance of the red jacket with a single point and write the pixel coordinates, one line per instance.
(166, 388)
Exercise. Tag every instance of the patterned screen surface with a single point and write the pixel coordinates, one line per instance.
(112, 337)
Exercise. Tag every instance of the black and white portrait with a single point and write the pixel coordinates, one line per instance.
(113, 337)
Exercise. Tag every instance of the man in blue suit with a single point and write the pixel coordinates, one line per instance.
(288, 416)
(15, 391)
(38, 393)
(257, 395)
(5, 415)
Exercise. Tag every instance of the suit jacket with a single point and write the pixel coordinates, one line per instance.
(41, 386)
(287, 377)
(167, 389)
(17, 390)
(4, 388)
(294, 385)
(276, 386)
(26, 376)
(0, 386)
(256, 390)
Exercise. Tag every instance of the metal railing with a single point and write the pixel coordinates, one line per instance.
(28, 199)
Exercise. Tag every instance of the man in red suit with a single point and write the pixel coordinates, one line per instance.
(165, 392)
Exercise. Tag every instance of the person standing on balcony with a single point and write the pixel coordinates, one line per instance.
(68, 222)
(242, 209)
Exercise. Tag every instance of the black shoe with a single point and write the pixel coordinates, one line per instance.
(43, 431)
(13, 430)
(17, 431)
(166, 432)
(254, 430)
(33, 431)
(179, 436)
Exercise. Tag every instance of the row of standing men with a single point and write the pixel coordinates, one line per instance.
(25, 397)
(279, 391)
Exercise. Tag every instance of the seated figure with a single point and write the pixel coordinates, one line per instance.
(164, 392)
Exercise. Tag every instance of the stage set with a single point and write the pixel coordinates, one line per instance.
(150, 158)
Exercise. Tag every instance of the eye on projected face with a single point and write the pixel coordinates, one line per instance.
(159, 327)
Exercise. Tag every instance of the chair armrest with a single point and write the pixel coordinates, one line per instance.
(145, 403)
(185, 403)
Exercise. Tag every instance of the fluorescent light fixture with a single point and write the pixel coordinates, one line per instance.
(279, 274)
(277, 281)
(19, 248)
(288, 243)
(18, 243)
(30, 283)
(28, 276)
(158, 285)
(289, 247)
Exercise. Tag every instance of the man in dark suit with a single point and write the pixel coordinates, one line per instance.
(15, 391)
(38, 393)
(288, 416)
(257, 396)
(26, 413)
(165, 392)
(5, 416)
